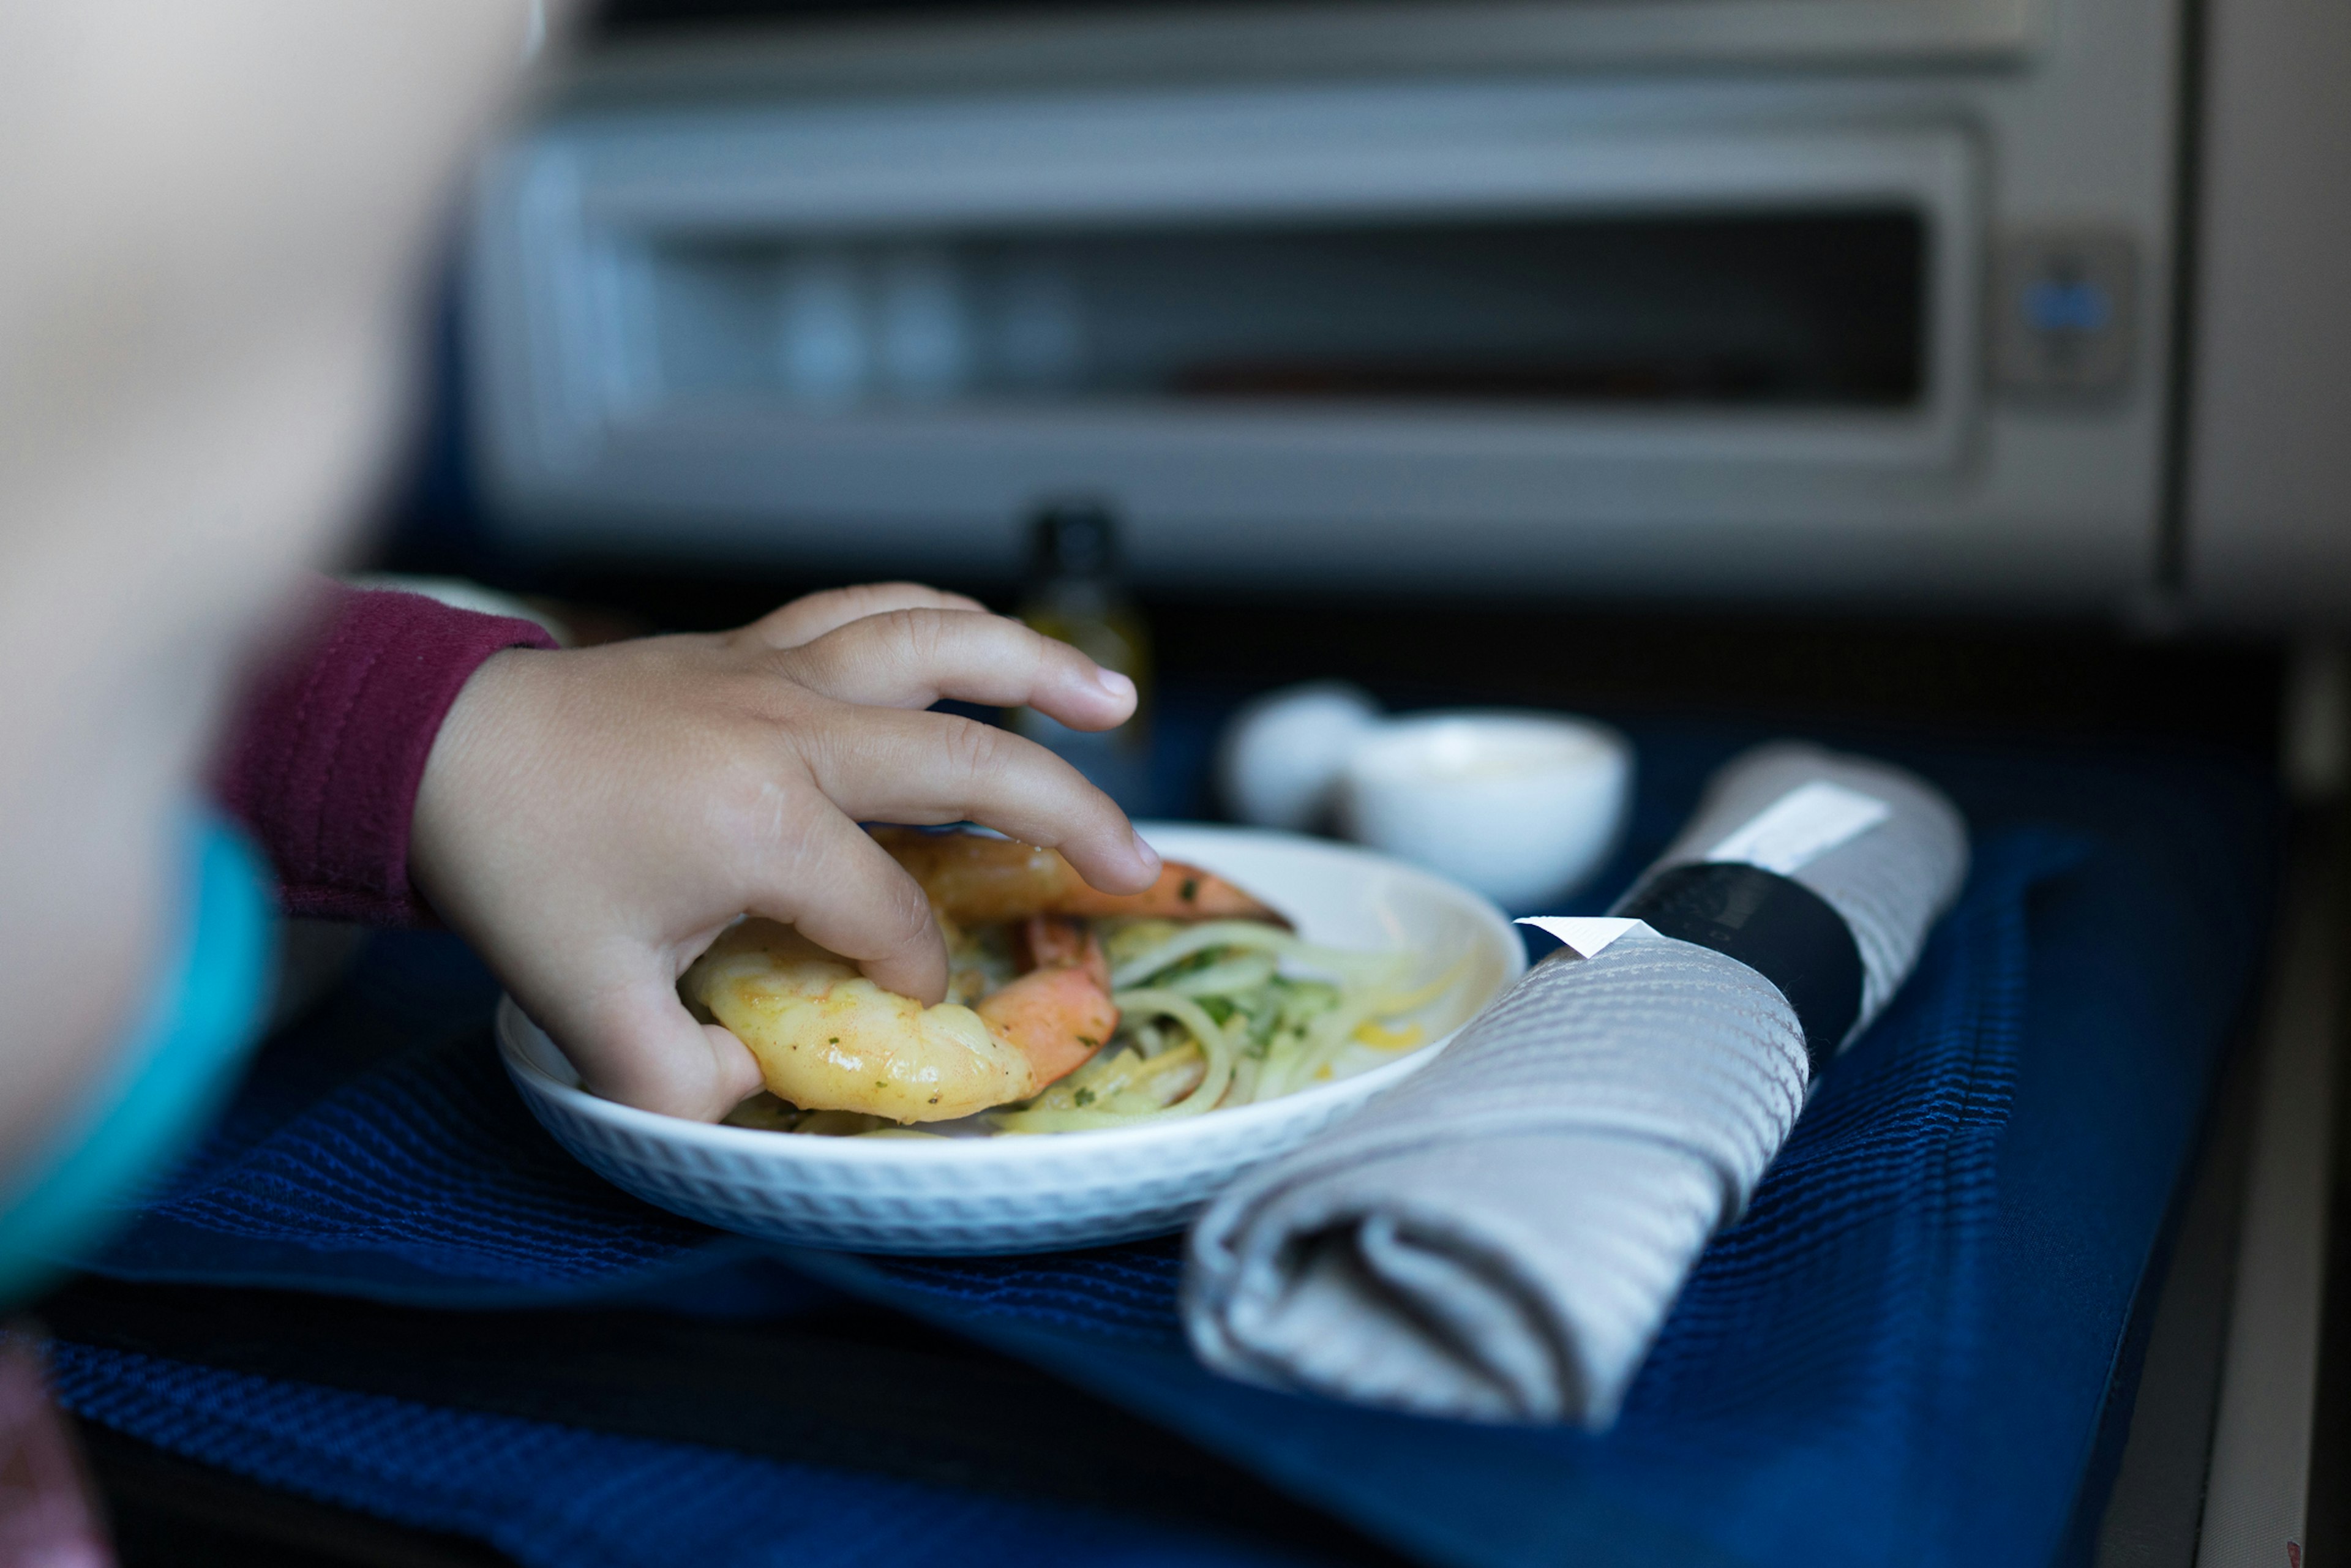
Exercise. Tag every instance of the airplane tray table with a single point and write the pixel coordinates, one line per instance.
(1920, 1342)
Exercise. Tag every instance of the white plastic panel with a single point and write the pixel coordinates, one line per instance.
(2047, 501)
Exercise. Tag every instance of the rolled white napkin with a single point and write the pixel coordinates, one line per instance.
(1500, 1236)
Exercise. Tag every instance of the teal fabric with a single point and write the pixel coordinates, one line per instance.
(162, 1088)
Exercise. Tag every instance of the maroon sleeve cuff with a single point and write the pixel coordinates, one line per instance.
(324, 759)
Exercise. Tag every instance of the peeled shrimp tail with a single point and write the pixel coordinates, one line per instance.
(975, 879)
(1059, 1012)
(1182, 893)
(979, 881)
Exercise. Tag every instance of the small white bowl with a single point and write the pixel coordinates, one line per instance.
(1524, 807)
(1044, 1192)
(1279, 763)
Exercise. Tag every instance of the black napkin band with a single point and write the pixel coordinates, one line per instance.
(1781, 929)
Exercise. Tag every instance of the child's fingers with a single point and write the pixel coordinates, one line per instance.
(911, 658)
(923, 768)
(636, 1043)
(844, 893)
(812, 615)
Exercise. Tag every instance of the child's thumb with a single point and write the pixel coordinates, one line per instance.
(638, 1045)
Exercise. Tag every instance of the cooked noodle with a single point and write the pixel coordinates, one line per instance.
(1225, 1013)
(1211, 1016)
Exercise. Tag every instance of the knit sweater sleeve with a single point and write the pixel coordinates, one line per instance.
(324, 759)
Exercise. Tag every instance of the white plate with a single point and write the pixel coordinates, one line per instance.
(1044, 1192)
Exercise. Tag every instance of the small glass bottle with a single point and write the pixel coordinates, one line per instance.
(1075, 596)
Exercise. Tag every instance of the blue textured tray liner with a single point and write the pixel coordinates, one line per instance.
(571, 1499)
(1906, 1349)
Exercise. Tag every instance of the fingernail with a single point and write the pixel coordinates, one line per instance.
(1116, 684)
(1146, 854)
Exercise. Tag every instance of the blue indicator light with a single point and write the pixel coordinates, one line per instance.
(2067, 305)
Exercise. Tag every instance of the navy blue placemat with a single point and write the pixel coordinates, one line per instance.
(1904, 1349)
(565, 1498)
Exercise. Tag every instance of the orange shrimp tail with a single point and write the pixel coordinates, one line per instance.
(1182, 893)
(1059, 942)
(1057, 1018)
(977, 881)
(1059, 1012)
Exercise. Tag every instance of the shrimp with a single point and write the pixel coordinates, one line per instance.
(828, 1039)
(973, 879)
(1059, 1011)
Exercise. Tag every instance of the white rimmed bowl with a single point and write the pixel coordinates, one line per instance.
(1522, 806)
(1044, 1192)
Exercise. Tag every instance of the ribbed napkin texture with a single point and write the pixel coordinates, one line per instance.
(1889, 883)
(1499, 1237)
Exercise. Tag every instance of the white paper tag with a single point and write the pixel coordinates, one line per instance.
(1586, 935)
(1801, 826)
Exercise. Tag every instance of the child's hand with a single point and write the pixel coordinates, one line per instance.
(591, 820)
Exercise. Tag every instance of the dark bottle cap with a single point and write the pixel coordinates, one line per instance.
(1073, 540)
